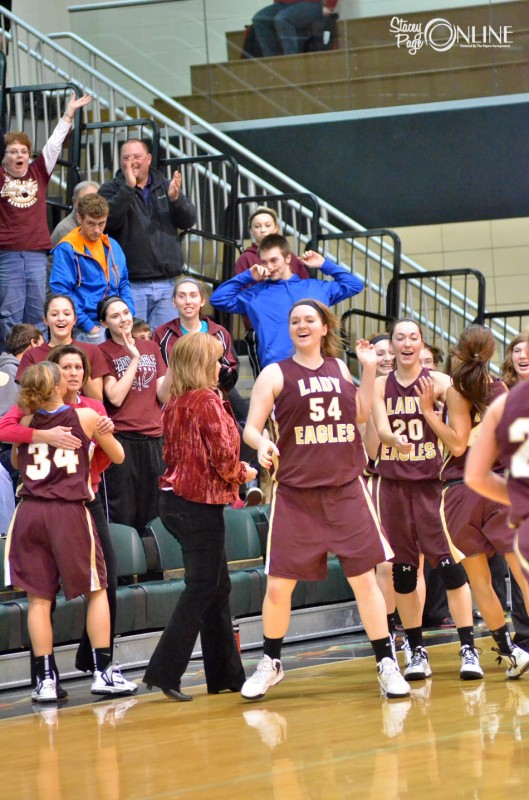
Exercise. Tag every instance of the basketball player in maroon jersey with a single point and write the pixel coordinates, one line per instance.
(503, 435)
(475, 527)
(317, 458)
(408, 462)
(52, 534)
(74, 363)
(384, 572)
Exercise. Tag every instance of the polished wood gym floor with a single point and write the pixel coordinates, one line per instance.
(324, 732)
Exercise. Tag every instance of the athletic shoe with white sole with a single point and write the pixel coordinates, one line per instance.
(517, 659)
(269, 672)
(419, 667)
(390, 679)
(470, 666)
(111, 681)
(45, 691)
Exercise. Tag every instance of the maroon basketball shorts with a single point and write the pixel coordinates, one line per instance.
(473, 524)
(307, 524)
(409, 513)
(52, 542)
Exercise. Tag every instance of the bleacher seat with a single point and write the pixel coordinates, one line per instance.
(169, 559)
(243, 546)
(10, 612)
(161, 596)
(131, 612)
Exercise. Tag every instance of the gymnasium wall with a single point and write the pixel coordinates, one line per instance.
(448, 162)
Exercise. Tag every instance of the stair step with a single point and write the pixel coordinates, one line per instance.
(362, 62)
(368, 92)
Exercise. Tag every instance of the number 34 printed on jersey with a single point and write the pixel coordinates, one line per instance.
(41, 468)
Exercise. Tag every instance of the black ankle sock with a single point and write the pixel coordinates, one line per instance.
(414, 637)
(391, 622)
(55, 670)
(272, 647)
(502, 637)
(43, 667)
(102, 657)
(382, 647)
(466, 635)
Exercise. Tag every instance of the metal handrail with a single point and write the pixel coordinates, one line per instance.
(345, 221)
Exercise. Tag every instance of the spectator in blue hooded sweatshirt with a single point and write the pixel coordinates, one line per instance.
(267, 291)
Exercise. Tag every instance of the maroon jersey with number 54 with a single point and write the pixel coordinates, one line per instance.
(315, 427)
(51, 473)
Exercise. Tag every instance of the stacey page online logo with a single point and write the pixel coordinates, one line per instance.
(442, 35)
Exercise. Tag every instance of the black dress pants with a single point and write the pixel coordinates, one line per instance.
(203, 606)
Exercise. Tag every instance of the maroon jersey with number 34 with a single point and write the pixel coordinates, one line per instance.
(51, 473)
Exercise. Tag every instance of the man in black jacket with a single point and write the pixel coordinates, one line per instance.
(146, 212)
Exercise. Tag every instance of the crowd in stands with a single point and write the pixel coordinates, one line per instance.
(104, 346)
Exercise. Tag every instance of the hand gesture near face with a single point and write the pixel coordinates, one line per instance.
(312, 259)
(173, 191)
(259, 272)
(130, 345)
(366, 353)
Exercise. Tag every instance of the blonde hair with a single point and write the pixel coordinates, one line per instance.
(38, 384)
(193, 362)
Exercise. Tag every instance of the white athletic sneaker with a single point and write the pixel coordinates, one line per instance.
(111, 681)
(393, 717)
(390, 679)
(419, 667)
(46, 691)
(269, 672)
(470, 667)
(517, 659)
(406, 649)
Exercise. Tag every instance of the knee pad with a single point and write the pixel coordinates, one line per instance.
(404, 578)
(453, 575)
